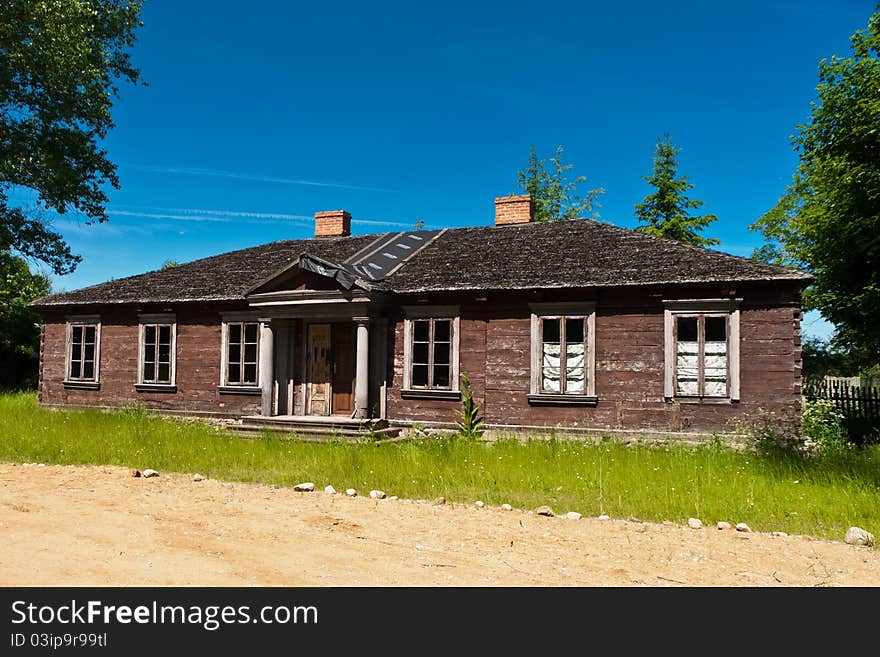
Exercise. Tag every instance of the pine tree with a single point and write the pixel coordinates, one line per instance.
(554, 195)
(666, 212)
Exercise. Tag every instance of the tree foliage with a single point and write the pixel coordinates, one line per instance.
(828, 220)
(19, 326)
(59, 64)
(555, 196)
(667, 212)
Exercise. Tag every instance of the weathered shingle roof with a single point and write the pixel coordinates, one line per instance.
(538, 255)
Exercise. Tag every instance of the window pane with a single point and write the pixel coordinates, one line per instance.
(687, 329)
(250, 353)
(149, 353)
(234, 333)
(89, 351)
(574, 380)
(164, 353)
(441, 354)
(574, 330)
(551, 330)
(250, 373)
(234, 373)
(149, 371)
(234, 353)
(420, 376)
(89, 370)
(90, 334)
(76, 351)
(76, 335)
(75, 369)
(250, 332)
(165, 334)
(687, 367)
(441, 376)
(164, 372)
(715, 369)
(150, 334)
(420, 352)
(550, 370)
(574, 354)
(716, 329)
(420, 330)
(442, 330)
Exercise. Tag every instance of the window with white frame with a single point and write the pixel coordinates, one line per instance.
(158, 335)
(563, 351)
(431, 349)
(241, 353)
(702, 350)
(83, 349)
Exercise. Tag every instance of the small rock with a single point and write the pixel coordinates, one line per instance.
(393, 497)
(351, 492)
(722, 524)
(506, 507)
(41, 465)
(743, 527)
(780, 534)
(377, 494)
(669, 523)
(479, 504)
(573, 515)
(149, 472)
(695, 523)
(858, 536)
(604, 516)
(330, 490)
(134, 473)
(633, 519)
(305, 487)
(545, 511)
(198, 477)
(439, 500)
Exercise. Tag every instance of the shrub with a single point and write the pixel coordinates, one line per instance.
(823, 426)
(470, 423)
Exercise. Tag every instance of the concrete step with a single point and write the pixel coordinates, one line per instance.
(311, 432)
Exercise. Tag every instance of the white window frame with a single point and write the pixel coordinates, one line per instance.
(540, 311)
(451, 313)
(83, 320)
(673, 308)
(162, 319)
(224, 350)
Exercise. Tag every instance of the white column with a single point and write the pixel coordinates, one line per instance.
(362, 367)
(267, 361)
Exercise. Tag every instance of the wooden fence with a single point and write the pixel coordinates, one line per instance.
(860, 406)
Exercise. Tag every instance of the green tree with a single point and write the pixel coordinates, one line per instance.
(667, 212)
(59, 64)
(19, 326)
(828, 220)
(554, 195)
(170, 264)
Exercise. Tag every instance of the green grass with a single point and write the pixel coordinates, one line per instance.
(818, 496)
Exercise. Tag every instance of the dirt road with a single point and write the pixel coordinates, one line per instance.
(63, 525)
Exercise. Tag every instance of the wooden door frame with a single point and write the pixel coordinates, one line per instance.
(305, 381)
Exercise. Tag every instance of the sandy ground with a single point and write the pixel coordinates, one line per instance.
(64, 525)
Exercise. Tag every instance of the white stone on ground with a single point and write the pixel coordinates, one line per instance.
(723, 524)
(377, 494)
(507, 507)
(198, 477)
(149, 472)
(743, 527)
(305, 487)
(479, 504)
(859, 536)
(573, 515)
(780, 534)
(351, 492)
(545, 510)
(393, 497)
(695, 523)
(604, 516)
(330, 490)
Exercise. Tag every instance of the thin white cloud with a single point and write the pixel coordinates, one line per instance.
(215, 173)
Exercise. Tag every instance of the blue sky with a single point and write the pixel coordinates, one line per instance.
(257, 115)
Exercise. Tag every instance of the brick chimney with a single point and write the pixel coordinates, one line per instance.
(514, 210)
(332, 223)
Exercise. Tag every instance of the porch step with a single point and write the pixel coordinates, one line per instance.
(318, 428)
